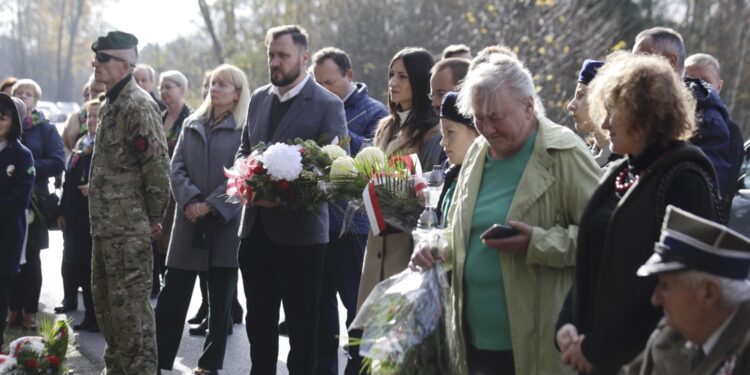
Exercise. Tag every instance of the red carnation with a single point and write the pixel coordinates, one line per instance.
(30, 363)
(53, 360)
(283, 185)
(256, 167)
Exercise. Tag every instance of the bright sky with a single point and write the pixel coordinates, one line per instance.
(154, 21)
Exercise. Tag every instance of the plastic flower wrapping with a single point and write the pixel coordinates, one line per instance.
(403, 323)
(39, 355)
(387, 189)
(287, 174)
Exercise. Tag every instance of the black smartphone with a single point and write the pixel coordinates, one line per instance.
(498, 232)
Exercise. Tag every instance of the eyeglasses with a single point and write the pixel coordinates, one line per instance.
(439, 94)
(105, 57)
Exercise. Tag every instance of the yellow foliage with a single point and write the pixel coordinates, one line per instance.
(368, 67)
(549, 39)
(470, 17)
(619, 45)
(542, 50)
(491, 8)
(538, 88)
(566, 49)
(483, 30)
(545, 3)
(516, 50)
(550, 77)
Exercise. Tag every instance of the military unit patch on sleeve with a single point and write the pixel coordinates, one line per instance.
(140, 143)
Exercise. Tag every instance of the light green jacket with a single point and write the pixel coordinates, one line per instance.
(555, 186)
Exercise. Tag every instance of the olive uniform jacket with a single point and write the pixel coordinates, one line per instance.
(666, 352)
(129, 179)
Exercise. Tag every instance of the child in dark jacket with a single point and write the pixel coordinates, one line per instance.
(16, 182)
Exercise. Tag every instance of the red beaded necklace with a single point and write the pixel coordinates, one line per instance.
(624, 180)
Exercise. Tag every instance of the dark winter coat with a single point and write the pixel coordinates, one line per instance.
(718, 136)
(16, 181)
(74, 207)
(608, 303)
(45, 144)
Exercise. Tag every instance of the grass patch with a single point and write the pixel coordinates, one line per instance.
(12, 333)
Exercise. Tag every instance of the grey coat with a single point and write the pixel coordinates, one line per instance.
(198, 173)
(315, 114)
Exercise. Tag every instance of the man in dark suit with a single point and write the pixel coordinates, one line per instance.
(702, 268)
(282, 250)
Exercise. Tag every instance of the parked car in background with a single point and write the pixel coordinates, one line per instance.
(51, 111)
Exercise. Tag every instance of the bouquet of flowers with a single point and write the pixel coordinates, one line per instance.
(387, 190)
(403, 324)
(287, 174)
(39, 355)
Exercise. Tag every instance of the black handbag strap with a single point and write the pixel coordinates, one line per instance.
(666, 181)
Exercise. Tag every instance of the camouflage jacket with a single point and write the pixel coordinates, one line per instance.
(129, 180)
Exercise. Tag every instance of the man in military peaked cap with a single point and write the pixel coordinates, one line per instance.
(129, 186)
(703, 287)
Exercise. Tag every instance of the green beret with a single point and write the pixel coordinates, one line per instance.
(115, 40)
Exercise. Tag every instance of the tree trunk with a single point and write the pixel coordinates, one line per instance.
(58, 53)
(65, 90)
(206, 13)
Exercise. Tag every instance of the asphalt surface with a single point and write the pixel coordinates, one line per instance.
(91, 345)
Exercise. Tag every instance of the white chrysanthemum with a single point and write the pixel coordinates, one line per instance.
(334, 151)
(343, 166)
(240, 166)
(34, 344)
(283, 161)
(6, 363)
(371, 157)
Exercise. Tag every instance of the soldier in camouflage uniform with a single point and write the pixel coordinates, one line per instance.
(129, 185)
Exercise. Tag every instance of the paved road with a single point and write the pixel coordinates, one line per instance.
(237, 360)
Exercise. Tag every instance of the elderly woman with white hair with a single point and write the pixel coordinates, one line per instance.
(535, 176)
(172, 87)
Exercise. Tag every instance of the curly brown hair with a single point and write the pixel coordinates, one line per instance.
(648, 92)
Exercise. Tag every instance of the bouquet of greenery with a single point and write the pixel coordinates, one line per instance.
(388, 190)
(287, 174)
(403, 323)
(39, 355)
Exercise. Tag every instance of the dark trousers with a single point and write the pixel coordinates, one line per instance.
(4, 291)
(27, 285)
(78, 275)
(341, 273)
(274, 274)
(159, 267)
(70, 290)
(171, 310)
(489, 362)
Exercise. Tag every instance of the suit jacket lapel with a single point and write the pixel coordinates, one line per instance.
(261, 126)
(297, 107)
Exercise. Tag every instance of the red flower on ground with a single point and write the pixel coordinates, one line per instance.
(283, 185)
(53, 360)
(30, 363)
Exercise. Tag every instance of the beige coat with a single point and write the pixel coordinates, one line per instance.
(555, 186)
(389, 254)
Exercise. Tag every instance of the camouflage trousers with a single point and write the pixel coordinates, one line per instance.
(121, 285)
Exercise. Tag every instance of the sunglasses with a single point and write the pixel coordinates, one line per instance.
(104, 58)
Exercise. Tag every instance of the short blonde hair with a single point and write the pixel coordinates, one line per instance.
(648, 92)
(29, 83)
